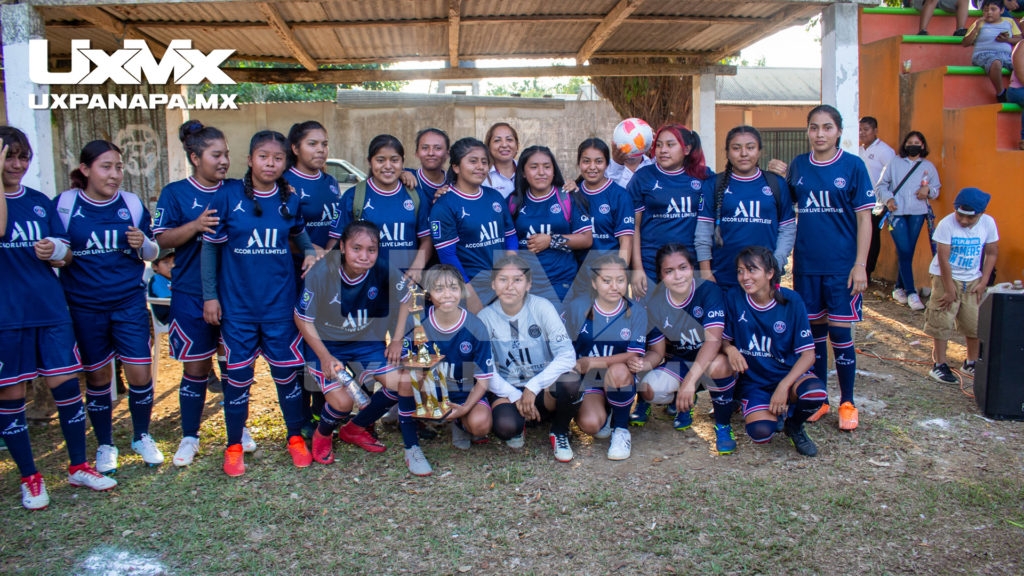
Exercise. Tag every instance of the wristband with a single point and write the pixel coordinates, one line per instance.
(149, 249)
(60, 249)
(559, 242)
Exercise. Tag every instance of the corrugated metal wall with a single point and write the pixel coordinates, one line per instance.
(141, 135)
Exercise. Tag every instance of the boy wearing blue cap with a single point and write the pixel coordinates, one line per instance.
(959, 279)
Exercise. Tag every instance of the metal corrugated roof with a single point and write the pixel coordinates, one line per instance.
(770, 86)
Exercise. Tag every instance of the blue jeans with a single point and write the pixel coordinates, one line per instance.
(905, 232)
(1016, 96)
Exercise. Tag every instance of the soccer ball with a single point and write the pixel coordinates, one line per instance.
(633, 137)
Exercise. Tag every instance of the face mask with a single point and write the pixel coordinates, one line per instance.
(913, 150)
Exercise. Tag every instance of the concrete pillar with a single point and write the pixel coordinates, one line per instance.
(178, 165)
(839, 71)
(704, 116)
(21, 23)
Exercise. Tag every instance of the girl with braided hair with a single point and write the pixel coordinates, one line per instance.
(750, 208)
(247, 266)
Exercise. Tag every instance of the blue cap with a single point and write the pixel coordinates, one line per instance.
(971, 201)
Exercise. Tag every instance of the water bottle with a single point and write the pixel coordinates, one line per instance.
(354, 389)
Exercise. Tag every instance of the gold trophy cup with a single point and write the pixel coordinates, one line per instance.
(426, 379)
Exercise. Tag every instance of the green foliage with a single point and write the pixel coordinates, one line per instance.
(536, 89)
(307, 92)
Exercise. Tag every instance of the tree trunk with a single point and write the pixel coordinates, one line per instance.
(658, 100)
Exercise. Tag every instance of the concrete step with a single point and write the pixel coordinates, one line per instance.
(925, 52)
(965, 86)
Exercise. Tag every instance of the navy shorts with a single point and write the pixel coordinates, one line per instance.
(828, 296)
(123, 332)
(190, 337)
(42, 351)
(279, 343)
(460, 397)
(755, 396)
(365, 359)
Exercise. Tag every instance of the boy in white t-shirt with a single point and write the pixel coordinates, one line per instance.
(964, 239)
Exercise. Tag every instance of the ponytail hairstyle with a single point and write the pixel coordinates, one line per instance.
(669, 249)
(296, 133)
(837, 118)
(596, 144)
(763, 258)
(457, 152)
(88, 156)
(693, 162)
(196, 138)
(723, 179)
(284, 190)
(439, 273)
(518, 197)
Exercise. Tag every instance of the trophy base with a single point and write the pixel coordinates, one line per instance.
(432, 416)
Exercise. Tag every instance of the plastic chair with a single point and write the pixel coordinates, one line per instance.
(158, 329)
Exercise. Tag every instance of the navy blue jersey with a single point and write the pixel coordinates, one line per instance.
(545, 215)
(30, 294)
(828, 196)
(319, 200)
(670, 203)
(601, 333)
(424, 185)
(611, 211)
(683, 324)
(256, 280)
(345, 309)
(771, 338)
(180, 203)
(105, 273)
(749, 217)
(465, 347)
(401, 223)
(475, 225)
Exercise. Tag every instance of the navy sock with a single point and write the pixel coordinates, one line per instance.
(317, 402)
(381, 401)
(568, 392)
(14, 431)
(98, 406)
(846, 360)
(71, 412)
(621, 400)
(140, 404)
(191, 399)
(289, 397)
(810, 396)
(307, 405)
(820, 334)
(721, 399)
(236, 403)
(406, 423)
(330, 418)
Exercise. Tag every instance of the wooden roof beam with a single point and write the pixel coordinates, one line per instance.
(284, 32)
(454, 17)
(606, 28)
(294, 76)
(101, 19)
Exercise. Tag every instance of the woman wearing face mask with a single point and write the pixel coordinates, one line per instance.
(907, 184)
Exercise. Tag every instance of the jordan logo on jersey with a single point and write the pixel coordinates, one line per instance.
(367, 206)
(239, 207)
(336, 299)
(195, 203)
(464, 214)
(743, 317)
(78, 213)
(657, 186)
(302, 193)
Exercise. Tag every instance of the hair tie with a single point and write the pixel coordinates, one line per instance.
(778, 286)
(195, 127)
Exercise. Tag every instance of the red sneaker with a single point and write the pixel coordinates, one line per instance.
(323, 448)
(234, 460)
(360, 437)
(300, 454)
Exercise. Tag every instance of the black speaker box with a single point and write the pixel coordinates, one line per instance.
(999, 372)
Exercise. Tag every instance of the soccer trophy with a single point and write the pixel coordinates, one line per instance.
(427, 381)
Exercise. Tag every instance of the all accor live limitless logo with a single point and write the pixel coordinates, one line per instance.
(132, 65)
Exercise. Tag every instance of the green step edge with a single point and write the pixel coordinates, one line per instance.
(969, 71)
(1007, 107)
(915, 39)
(913, 12)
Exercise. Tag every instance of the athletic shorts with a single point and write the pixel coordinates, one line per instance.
(191, 338)
(828, 296)
(756, 396)
(947, 5)
(985, 58)
(41, 351)
(279, 343)
(460, 397)
(664, 380)
(366, 360)
(123, 332)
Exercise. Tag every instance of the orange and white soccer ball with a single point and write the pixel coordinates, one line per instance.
(633, 137)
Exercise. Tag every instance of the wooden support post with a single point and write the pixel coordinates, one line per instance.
(284, 32)
(454, 20)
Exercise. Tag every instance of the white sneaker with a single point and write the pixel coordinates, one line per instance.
(605, 430)
(147, 448)
(417, 462)
(33, 493)
(560, 444)
(106, 459)
(248, 444)
(460, 438)
(899, 295)
(187, 450)
(88, 476)
(515, 442)
(914, 301)
(621, 444)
